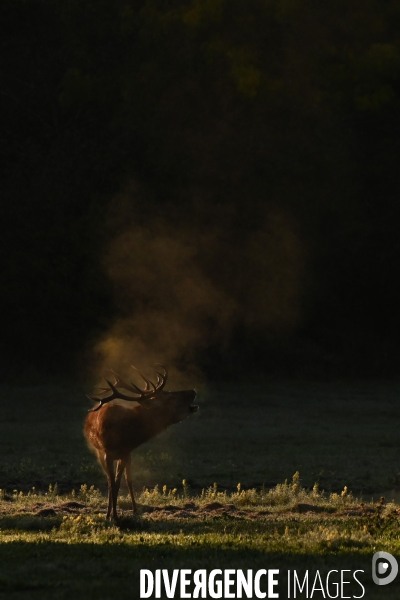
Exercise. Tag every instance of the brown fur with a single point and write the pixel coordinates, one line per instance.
(114, 431)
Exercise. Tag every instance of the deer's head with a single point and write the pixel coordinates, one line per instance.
(174, 406)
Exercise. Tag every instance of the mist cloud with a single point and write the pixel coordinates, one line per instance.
(180, 288)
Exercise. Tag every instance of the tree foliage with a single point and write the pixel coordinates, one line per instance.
(209, 110)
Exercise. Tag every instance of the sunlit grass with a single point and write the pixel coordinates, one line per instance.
(287, 526)
(284, 495)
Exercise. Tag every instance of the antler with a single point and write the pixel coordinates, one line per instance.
(149, 390)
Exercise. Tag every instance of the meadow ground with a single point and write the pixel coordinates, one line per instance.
(55, 542)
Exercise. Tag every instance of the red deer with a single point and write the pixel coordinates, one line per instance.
(113, 431)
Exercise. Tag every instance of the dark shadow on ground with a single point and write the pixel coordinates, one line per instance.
(57, 570)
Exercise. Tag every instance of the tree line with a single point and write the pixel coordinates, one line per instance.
(272, 126)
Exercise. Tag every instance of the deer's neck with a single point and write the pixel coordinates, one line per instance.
(150, 423)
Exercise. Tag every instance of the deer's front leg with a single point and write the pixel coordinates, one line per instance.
(120, 469)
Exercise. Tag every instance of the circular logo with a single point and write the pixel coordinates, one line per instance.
(384, 564)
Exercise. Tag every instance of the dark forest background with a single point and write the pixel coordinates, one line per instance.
(251, 146)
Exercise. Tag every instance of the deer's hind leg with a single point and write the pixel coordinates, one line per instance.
(128, 479)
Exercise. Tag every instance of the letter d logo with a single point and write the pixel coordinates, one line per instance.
(382, 567)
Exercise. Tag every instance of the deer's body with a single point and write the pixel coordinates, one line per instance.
(116, 430)
(113, 431)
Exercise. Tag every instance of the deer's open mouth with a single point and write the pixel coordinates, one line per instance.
(193, 408)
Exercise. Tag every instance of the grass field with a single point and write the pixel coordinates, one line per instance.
(56, 543)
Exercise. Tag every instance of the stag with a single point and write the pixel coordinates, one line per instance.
(113, 431)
